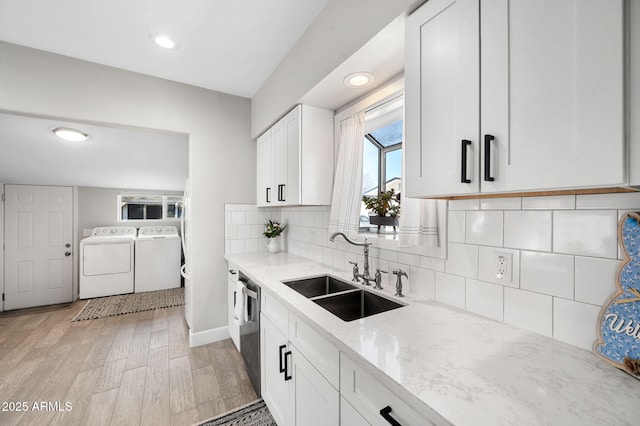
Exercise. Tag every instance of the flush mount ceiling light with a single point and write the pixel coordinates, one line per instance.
(71, 135)
(163, 41)
(359, 79)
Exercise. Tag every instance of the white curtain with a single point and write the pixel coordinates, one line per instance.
(419, 219)
(347, 187)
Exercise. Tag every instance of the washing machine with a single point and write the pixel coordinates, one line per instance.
(158, 257)
(107, 262)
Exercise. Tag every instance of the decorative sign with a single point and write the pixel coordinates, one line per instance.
(619, 325)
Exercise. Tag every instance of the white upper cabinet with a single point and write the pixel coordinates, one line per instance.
(295, 159)
(530, 92)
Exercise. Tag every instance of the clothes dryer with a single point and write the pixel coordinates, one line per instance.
(106, 262)
(158, 258)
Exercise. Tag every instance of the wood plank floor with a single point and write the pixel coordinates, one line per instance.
(134, 369)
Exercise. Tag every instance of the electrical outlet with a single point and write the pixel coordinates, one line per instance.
(504, 266)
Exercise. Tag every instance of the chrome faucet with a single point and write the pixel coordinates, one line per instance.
(399, 273)
(366, 277)
(378, 279)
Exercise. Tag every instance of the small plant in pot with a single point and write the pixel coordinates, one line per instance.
(386, 206)
(272, 231)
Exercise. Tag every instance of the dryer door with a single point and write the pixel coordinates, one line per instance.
(106, 258)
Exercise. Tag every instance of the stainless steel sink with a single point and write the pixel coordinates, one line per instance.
(341, 298)
(356, 304)
(319, 286)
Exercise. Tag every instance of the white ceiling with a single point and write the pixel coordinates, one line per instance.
(382, 56)
(228, 46)
(112, 157)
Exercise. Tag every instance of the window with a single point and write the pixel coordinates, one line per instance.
(143, 207)
(382, 154)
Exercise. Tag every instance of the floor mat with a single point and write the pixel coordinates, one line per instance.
(255, 413)
(103, 307)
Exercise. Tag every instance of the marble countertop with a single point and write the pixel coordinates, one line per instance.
(457, 368)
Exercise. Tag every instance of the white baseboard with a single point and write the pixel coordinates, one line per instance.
(208, 336)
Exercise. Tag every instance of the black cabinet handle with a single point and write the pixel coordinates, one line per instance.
(386, 413)
(267, 195)
(234, 298)
(282, 367)
(463, 168)
(487, 158)
(281, 192)
(232, 272)
(287, 376)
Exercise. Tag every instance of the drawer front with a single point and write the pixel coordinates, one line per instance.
(368, 396)
(323, 355)
(276, 311)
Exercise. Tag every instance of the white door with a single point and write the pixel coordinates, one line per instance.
(38, 252)
(553, 93)
(442, 98)
(274, 387)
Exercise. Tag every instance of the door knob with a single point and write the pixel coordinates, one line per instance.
(67, 245)
(67, 253)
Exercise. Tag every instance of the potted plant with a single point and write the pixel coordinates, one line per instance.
(386, 206)
(272, 231)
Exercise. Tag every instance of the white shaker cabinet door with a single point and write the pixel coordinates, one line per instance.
(265, 190)
(442, 78)
(274, 387)
(317, 403)
(552, 94)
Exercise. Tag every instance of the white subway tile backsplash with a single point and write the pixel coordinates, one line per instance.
(563, 265)
(556, 202)
(528, 230)
(450, 289)
(484, 228)
(462, 260)
(469, 204)
(485, 299)
(487, 266)
(237, 217)
(508, 203)
(432, 263)
(628, 201)
(595, 279)
(587, 233)
(456, 226)
(423, 282)
(575, 322)
(547, 273)
(531, 311)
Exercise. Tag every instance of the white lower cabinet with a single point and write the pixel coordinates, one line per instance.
(349, 416)
(315, 401)
(232, 281)
(296, 392)
(275, 389)
(371, 400)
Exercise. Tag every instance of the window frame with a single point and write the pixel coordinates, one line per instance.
(165, 197)
(382, 159)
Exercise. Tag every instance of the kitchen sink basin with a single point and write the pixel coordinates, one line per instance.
(356, 304)
(319, 286)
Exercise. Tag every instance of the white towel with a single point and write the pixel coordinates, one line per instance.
(239, 311)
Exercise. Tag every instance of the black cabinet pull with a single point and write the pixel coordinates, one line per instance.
(267, 195)
(282, 367)
(386, 413)
(234, 298)
(232, 272)
(463, 168)
(282, 192)
(287, 376)
(487, 158)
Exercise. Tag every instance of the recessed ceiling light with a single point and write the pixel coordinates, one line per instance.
(71, 135)
(163, 41)
(359, 79)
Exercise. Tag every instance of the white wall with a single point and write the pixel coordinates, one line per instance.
(340, 29)
(40, 83)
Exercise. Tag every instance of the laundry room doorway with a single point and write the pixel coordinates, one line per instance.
(38, 237)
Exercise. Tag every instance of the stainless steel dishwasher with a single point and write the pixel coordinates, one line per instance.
(250, 332)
